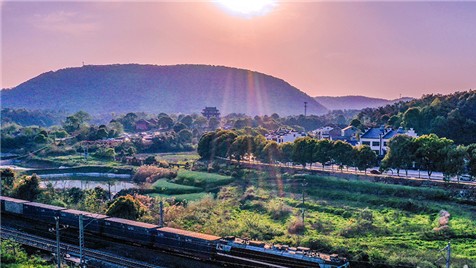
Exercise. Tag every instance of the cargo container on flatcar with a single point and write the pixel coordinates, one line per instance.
(12, 205)
(187, 242)
(129, 230)
(92, 222)
(41, 212)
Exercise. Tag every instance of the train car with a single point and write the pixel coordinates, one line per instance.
(92, 222)
(277, 255)
(12, 205)
(133, 231)
(41, 212)
(186, 242)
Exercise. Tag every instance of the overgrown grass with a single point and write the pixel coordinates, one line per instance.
(373, 224)
(165, 187)
(183, 197)
(180, 158)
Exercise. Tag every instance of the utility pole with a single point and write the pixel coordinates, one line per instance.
(305, 108)
(303, 184)
(161, 212)
(448, 255)
(81, 240)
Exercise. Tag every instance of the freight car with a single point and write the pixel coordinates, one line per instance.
(197, 245)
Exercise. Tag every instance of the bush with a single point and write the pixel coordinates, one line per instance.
(278, 209)
(151, 174)
(296, 226)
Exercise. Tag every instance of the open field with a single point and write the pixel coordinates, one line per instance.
(371, 223)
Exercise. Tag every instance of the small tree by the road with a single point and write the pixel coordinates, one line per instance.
(365, 158)
(302, 151)
(286, 149)
(8, 177)
(471, 159)
(271, 152)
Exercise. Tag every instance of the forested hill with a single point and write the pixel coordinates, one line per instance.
(355, 102)
(452, 116)
(150, 88)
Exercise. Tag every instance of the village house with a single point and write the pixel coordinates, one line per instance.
(377, 138)
(284, 135)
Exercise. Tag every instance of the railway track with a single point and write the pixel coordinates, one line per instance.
(50, 245)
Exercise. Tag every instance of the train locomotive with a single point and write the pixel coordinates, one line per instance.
(196, 245)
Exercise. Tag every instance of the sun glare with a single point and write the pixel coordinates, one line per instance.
(247, 8)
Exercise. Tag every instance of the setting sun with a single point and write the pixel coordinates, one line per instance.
(248, 8)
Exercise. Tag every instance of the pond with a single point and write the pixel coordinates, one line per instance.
(116, 186)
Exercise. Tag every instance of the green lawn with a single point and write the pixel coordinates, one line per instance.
(201, 179)
(165, 187)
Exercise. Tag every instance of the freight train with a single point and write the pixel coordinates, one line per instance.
(196, 245)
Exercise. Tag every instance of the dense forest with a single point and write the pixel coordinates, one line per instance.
(452, 116)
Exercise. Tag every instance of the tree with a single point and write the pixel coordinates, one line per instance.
(187, 120)
(204, 148)
(27, 188)
(185, 136)
(431, 152)
(342, 154)
(242, 146)
(453, 164)
(471, 159)
(179, 126)
(286, 149)
(355, 123)
(322, 152)
(126, 207)
(75, 121)
(412, 119)
(365, 158)
(165, 122)
(401, 153)
(213, 123)
(271, 152)
(303, 150)
(8, 177)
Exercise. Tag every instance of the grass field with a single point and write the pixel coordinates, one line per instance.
(180, 158)
(201, 179)
(373, 224)
(165, 187)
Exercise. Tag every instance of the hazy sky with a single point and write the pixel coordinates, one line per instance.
(378, 49)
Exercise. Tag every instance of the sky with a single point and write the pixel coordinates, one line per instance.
(377, 49)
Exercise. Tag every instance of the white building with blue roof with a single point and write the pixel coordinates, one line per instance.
(377, 138)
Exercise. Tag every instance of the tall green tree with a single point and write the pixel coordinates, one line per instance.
(286, 149)
(242, 146)
(401, 154)
(271, 152)
(322, 152)
(365, 158)
(303, 150)
(342, 154)
(471, 159)
(453, 164)
(431, 152)
(8, 177)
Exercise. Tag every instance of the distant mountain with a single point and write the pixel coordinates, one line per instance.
(150, 88)
(355, 102)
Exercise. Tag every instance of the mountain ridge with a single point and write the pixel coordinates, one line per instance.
(185, 88)
(355, 102)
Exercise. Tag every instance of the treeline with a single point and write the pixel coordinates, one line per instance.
(452, 116)
(304, 151)
(427, 152)
(23, 117)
